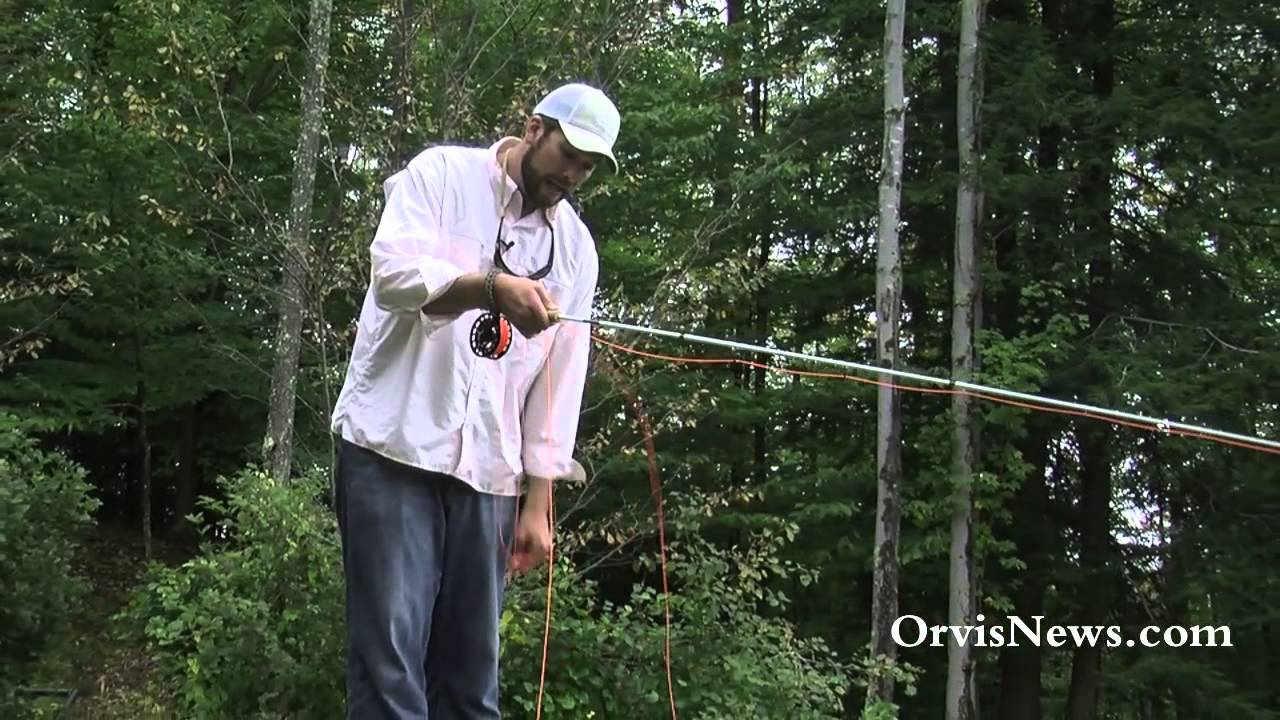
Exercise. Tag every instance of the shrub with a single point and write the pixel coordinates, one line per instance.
(253, 625)
(732, 655)
(44, 505)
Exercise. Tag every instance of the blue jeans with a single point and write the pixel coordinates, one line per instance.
(425, 559)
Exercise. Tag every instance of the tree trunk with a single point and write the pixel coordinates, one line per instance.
(332, 225)
(738, 109)
(401, 79)
(1084, 695)
(296, 261)
(1181, 556)
(1020, 666)
(733, 99)
(188, 480)
(1271, 641)
(961, 700)
(884, 602)
(759, 110)
(144, 448)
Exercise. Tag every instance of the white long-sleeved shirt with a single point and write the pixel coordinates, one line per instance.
(414, 391)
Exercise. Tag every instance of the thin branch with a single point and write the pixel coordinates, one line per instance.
(34, 328)
(1201, 328)
(1171, 324)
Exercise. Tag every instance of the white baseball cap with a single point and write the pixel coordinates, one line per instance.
(588, 119)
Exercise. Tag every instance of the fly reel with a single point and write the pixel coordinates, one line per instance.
(491, 336)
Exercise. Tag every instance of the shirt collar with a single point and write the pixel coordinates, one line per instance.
(505, 190)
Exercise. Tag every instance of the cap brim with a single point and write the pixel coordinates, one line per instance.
(589, 143)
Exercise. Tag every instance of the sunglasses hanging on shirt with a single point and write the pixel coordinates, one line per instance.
(491, 333)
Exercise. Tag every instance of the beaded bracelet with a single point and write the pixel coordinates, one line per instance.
(490, 285)
(491, 333)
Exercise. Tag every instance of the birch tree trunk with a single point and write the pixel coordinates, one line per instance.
(278, 450)
(884, 602)
(961, 699)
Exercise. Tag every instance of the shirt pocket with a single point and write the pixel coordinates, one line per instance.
(465, 252)
(528, 358)
(558, 290)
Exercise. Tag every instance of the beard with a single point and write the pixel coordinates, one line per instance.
(539, 191)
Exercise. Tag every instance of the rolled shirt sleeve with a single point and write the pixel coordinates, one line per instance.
(554, 402)
(409, 255)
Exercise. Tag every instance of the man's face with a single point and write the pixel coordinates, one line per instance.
(552, 167)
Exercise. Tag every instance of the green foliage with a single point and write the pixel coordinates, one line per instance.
(146, 157)
(880, 710)
(732, 653)
(252, 626)
(44, 505)
(267, 595)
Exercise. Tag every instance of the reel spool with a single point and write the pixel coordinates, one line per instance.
(490, 336)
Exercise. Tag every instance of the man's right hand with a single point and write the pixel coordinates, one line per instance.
(525, 303)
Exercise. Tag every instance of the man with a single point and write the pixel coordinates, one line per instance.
(435, 440)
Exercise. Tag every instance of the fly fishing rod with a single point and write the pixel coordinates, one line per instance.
(1160, 424)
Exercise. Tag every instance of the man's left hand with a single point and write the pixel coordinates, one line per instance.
(532, 539)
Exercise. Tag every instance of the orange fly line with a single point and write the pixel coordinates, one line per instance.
(656, 488)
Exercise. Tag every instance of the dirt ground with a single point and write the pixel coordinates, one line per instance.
(94, 674)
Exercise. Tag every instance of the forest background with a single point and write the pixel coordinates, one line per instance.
(189, 190)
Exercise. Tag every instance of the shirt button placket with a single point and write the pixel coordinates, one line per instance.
(466, 432)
